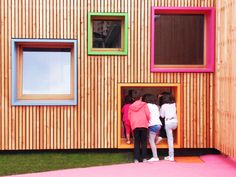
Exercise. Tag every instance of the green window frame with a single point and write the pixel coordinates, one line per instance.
(123, 17)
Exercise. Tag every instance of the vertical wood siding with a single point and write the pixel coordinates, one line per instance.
(225, 78)
(93, 122)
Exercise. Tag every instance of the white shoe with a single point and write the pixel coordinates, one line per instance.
(169, 158)
(153, 159)
(136, 161)
(145, 160)
(159, 139)
(128, 142)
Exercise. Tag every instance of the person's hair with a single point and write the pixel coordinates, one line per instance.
(168, 98)
(149, 98)
(160, 99)
(128, 99)
(130, 92)
(136, 95)
(165, 93)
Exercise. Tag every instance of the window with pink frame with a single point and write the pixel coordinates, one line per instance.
(182, 39)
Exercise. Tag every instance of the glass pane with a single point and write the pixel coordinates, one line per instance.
(179, 39)
(106, 33)
(46, 72)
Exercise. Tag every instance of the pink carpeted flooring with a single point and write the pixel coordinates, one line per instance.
(213, 166)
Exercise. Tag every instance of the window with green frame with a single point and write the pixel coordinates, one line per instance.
(107, 34)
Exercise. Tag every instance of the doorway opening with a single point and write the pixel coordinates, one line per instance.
(155, 89)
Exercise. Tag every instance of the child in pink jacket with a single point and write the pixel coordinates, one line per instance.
(125, 119)
(139, 116)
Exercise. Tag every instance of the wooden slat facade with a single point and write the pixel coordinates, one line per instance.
(225, 78)
(93, 122)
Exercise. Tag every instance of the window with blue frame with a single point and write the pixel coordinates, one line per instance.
(44, 72)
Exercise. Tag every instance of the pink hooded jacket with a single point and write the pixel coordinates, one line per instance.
(139, 115)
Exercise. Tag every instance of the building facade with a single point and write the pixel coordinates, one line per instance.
(92, 119)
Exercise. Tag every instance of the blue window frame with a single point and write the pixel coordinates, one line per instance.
(44, 72)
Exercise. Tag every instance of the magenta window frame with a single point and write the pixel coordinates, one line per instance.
(209, 49)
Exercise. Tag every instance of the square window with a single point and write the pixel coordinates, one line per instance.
(44, 72)
(107, 33)
(150, 88)
(182, 39)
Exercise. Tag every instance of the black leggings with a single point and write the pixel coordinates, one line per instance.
(162, 130)
(140, 136)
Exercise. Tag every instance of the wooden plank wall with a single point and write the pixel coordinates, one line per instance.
(225, 78)
(93, 122)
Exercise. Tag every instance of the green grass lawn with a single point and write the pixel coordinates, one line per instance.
(39, 161)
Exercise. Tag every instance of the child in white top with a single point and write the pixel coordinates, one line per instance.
(154, 125)
(168, 112)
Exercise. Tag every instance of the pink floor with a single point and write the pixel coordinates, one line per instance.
(213, 166)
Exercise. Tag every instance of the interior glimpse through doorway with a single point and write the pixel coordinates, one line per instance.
(155, 89)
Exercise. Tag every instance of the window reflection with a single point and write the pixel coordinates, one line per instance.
(179, 39)
(106, 33)
(46, 71)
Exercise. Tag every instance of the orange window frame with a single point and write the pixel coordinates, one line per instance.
(176, 91)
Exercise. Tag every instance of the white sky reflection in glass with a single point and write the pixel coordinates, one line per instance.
(46, 72)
